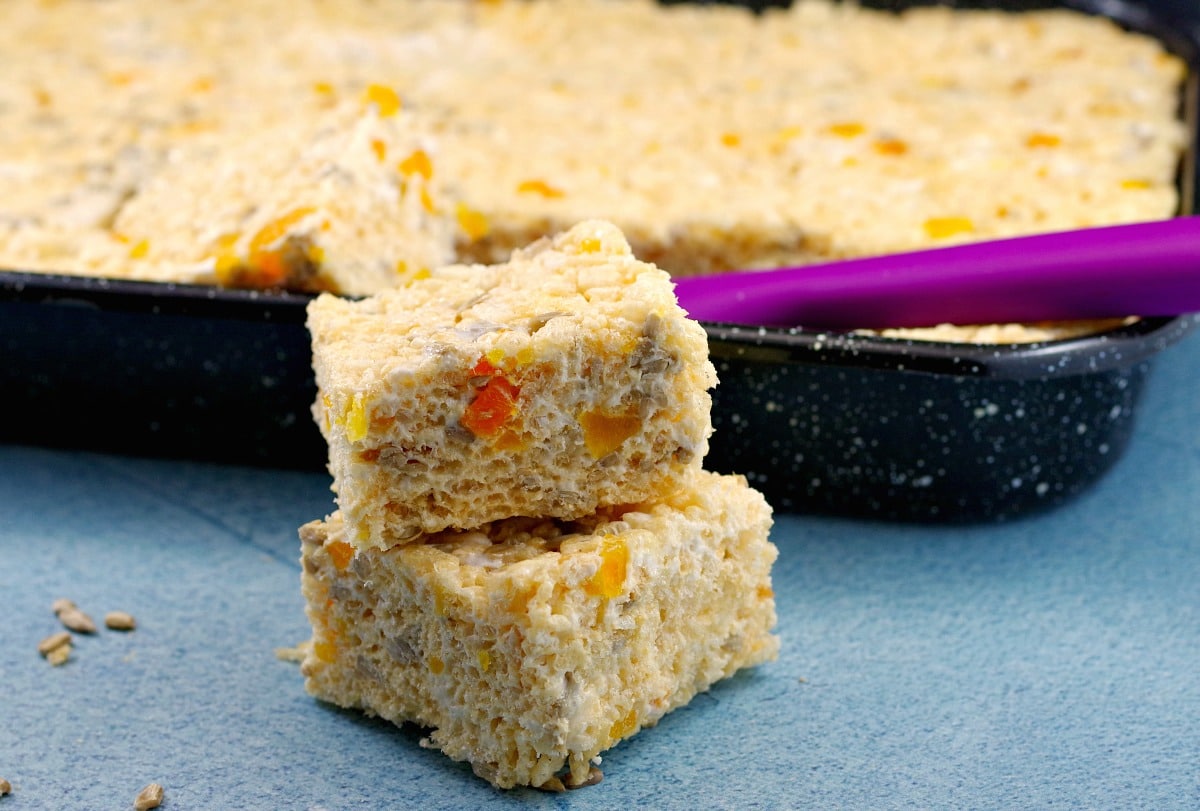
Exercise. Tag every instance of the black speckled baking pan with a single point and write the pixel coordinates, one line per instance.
(157, 369)
(830, 423)
(848, 424)
(926, 431)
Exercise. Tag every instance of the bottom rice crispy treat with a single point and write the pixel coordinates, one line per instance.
(529, 646)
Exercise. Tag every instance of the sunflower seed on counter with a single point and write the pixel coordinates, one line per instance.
(149, 797)
(119, 621)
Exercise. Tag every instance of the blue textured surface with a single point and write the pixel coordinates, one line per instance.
(1048, 662)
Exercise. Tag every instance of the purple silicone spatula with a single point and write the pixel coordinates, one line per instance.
(1148, 269)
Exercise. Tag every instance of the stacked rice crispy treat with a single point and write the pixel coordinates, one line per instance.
(528, 557)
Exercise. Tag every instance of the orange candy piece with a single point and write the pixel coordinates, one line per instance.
(492, 408)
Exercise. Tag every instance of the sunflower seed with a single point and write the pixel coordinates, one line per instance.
(119, 621)
(59, 655)
(60, 605)
(149, 797)
(53, 642)
(77, 621)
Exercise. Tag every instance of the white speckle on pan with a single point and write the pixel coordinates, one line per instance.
(1042, 488)
(1081, 429)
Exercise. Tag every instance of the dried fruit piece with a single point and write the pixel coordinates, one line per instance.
(847, 129)
(5, 787)
(609, 579)
(473, 223)
(325, 651)
(1043, 140)
(890, 146)
(944, 227)
(603, 433)
(624, 727)
(119, 621)
(427, 202)
(340, 553)
(149, 797)
(538, 187)
(417, 163)
(385, 99)
(355, 419)
(492, 408)
(278, 228)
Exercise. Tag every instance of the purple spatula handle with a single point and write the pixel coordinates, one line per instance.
(1148, 269)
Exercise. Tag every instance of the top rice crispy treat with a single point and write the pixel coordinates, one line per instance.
(561, 381)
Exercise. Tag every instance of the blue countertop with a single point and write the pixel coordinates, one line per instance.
(1046, 662)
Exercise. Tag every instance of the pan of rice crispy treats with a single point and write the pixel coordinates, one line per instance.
(165, 220)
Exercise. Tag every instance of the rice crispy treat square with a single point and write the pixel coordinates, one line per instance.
(340, 203)
(530, 646)
(562, 381)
